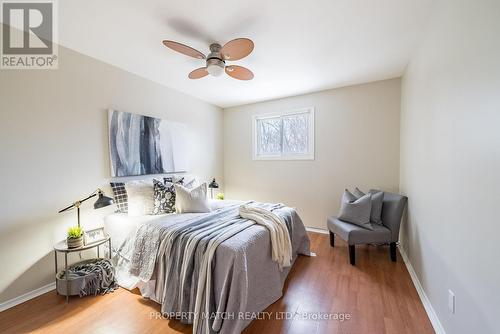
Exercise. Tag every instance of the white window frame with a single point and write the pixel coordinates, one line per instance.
(307, 156)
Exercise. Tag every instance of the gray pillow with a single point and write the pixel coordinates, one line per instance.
(358, 193)
(356, 210)
(377, 202)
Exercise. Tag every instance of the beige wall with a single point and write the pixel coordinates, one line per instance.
(53, 144)
(356, 144)
(450, 163)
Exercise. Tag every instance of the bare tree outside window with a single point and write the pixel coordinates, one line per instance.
(295, 134)
(284, 136)
(269, 136)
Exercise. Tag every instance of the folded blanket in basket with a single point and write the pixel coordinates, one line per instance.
(98, 277)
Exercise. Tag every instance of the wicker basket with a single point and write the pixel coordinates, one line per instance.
(75, 284)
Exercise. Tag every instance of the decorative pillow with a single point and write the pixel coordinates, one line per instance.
(120, 196)
(191, 200)
(377, 202)
(358, 193)
(187, 181)
(356, 210)
(171, 180)
(140, 198)
(190, 183)
(164, 198)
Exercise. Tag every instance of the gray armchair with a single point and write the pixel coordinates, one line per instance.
(392, 212)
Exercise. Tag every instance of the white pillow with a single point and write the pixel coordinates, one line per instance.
(191, 200)
(140, 198)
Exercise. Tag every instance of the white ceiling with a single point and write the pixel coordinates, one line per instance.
(300, 46)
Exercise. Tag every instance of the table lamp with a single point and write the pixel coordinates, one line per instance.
(213, 185)
(101, 202)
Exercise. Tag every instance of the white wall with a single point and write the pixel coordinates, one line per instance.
(356, 144)
(450, 163)
(54, 150)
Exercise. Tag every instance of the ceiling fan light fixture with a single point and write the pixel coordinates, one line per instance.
(215, 70)
(215, 67)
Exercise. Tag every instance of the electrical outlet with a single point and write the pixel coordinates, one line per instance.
(451, 301)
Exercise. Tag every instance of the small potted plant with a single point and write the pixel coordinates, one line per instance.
(220, 196)
(75, 237)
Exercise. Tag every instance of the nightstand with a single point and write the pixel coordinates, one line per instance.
(62, 247)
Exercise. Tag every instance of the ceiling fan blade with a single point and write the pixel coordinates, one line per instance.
(184, 49)
(198, 73)
(237, 49)
(239, 72)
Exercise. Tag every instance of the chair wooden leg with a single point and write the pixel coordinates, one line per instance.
(352, 254)
(392, 247)
(332, 239)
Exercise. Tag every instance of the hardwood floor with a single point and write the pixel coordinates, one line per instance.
(377, 294)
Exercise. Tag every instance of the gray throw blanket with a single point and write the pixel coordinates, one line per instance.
(98, 277)
(179, 257)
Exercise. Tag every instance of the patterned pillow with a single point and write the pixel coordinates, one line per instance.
(188, 181)
(171, 180)
(120, 196)
(164, 198)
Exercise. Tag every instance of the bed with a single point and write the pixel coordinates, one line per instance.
(242, 278)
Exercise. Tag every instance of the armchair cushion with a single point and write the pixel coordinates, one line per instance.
(358, 235)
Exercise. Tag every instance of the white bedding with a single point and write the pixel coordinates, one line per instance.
(121, 227)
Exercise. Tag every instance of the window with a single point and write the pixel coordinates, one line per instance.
(284, 136)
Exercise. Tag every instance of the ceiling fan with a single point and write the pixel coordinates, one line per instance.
(216, 59)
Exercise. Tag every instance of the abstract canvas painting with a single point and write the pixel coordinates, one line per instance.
(141, 145)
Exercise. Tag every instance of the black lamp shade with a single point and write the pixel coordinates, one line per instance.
(102, 201)
(213, 184)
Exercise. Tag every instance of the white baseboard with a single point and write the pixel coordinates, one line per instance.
(438, 327)
(27, 296)
(317, 230)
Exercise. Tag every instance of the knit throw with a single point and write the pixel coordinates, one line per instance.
(98, 277)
